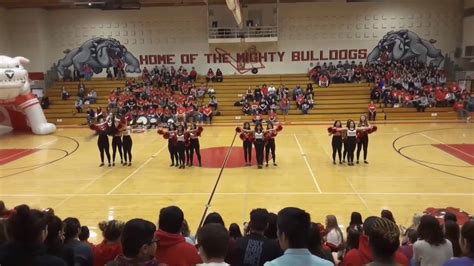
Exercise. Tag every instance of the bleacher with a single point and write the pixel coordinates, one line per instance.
(339, 101)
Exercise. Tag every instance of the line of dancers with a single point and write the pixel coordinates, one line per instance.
(350, 137)
(263, 140)
(183, 143)
(121, 140)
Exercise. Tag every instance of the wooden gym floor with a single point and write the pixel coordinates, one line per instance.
(407, 173)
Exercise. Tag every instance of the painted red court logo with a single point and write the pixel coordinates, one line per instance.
(214, 157)
(463, 152)
(10, 155)
(462, 216)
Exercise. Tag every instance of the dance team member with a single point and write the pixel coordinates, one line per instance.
(259, 144)
(247, 137)
(170, 135)
(194, 144)
(127, 145)
(363, 137)
(351, 141)
(116, 139)
(270, 135)
(336, 133)
(187, 148)
(344, 144)
(102, 141)
(181, 139)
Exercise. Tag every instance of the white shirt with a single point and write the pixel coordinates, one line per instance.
(334, 237)
(425, 254)
(351, 132)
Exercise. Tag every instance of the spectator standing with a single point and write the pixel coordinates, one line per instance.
(81, 252)
(110, 247)
(213, 241)
(219, 77)
(467, 247)
(431, 248)
(372, 111)
(192, 75)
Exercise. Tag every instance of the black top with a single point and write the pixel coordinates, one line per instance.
(81, 251)
(254, 249)
(19, 254)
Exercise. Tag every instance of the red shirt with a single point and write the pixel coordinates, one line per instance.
(103, 253)
(458, 106)
(207, 111)
(372, 107)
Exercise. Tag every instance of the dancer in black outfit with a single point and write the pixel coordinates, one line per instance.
(259, 144)
(117, 144)
(344, 145)
(127, 146)
(363, 140)
(351, 141)
(246, 136)
(181, 146)
(103, 142)
(336, 141)
(194, 145)
(270, 144)
(172, 145)
(187, 148)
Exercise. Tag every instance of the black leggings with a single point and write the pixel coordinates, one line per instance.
(103, 144)
(336, 147)
(351, 145)
(187, 151)
(127, 148)
(248, 151)
(259, 145)
(195, 147)
(180, 148)
(116, 144)
(344, 152)
(270, 147)
(363, 143)
(173, 152)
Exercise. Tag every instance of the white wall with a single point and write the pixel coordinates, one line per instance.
(468, 28)
(44, 35)
(4, 34)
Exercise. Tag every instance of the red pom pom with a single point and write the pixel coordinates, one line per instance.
(166, 135)
(334, 130)
(330, 129)
(200, 129)
(187, 135)
(198, 133)
(243, 136)
(92, 126)
(374, 128)
(238, 129)
(160, 131)
(279, 128)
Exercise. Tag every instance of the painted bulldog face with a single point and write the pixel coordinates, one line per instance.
(13, 77)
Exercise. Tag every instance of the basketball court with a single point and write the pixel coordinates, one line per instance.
(411, 167)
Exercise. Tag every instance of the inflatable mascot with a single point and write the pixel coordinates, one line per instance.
(19, 108)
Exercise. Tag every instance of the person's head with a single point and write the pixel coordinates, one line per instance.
(258, 128)
(363, 119)
(269, 125)
(384, 239)
(293, 228)
(185, 229)
(55, 229)
(234, 231)
(172, 127)
(180, 129)
(27, 226)
(247, 125)
(84, 234)
(350, 124)
(72, 228)
(387, 215)
(356, 219)
(430, 230)
(271, 232)
(258, 220)
(449, 216)
(368, 224)
(138, 239)
(315, 241)
(2, 207)
(213, 241)
(214, 217)
(337, 123)
(451, 232)
(111, 230)
(412, 235)
(331, 222)
(353, 234)
(467, 239)
(170, 220)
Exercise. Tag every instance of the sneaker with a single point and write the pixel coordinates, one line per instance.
(113, 164)
(259, 167)
(130, 164)
(366, 162)
(177, 165)
(171, 165)
(340, 162)
(274, 164)
(102, 164)
(357, 162)
(266, 165)
(333, 162)
(124, 164)
(109, 164)
(200, 164)
(121, 161)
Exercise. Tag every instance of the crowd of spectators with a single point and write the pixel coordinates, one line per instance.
(291, 237)
(83, 96)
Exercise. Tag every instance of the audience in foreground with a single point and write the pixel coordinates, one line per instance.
(36, 238)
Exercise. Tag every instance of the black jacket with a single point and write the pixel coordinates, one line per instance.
(19, 254)
(254, 250)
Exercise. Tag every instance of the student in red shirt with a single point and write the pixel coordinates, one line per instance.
(462, 112)
(207, 112)
(110, 247)
(192, 75)
(372, 111)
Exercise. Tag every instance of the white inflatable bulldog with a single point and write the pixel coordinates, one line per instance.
(19, 108)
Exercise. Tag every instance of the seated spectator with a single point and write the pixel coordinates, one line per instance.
(334, 238)
(207, 114)
(323, 81)
(64, 94)
(451, 232)
(305, 107)
(293, 229)
(309, 90)
(109, 74)
(138, 244)
(407, 248)
(67, 75)
(81, 90)
(363, 255)
(219, 77)
(79, 104)
(463, 113)
(316, 246)
(384, 241)
(172, 248)
(372, 111)
(467, 247)
(234, 231)
(213, 244)
(213, 103)
(84, 236)
(27, 231)
(285, 106)
(353, 235)
(187, 233)
(421, 103)
(87, 72)
(92, 97)
(45, 102)
(54, 240)
(254, 248)
(210, 76)
(271, 231)
(431, 248)
(81, 252)
(110, 247)
(211, 92)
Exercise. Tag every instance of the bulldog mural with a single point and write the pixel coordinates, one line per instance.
(19, 108)
(405, 45)
(99, 53)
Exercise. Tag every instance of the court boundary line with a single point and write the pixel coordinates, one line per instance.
(136, 170)
(447, 145)
(303, 154)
